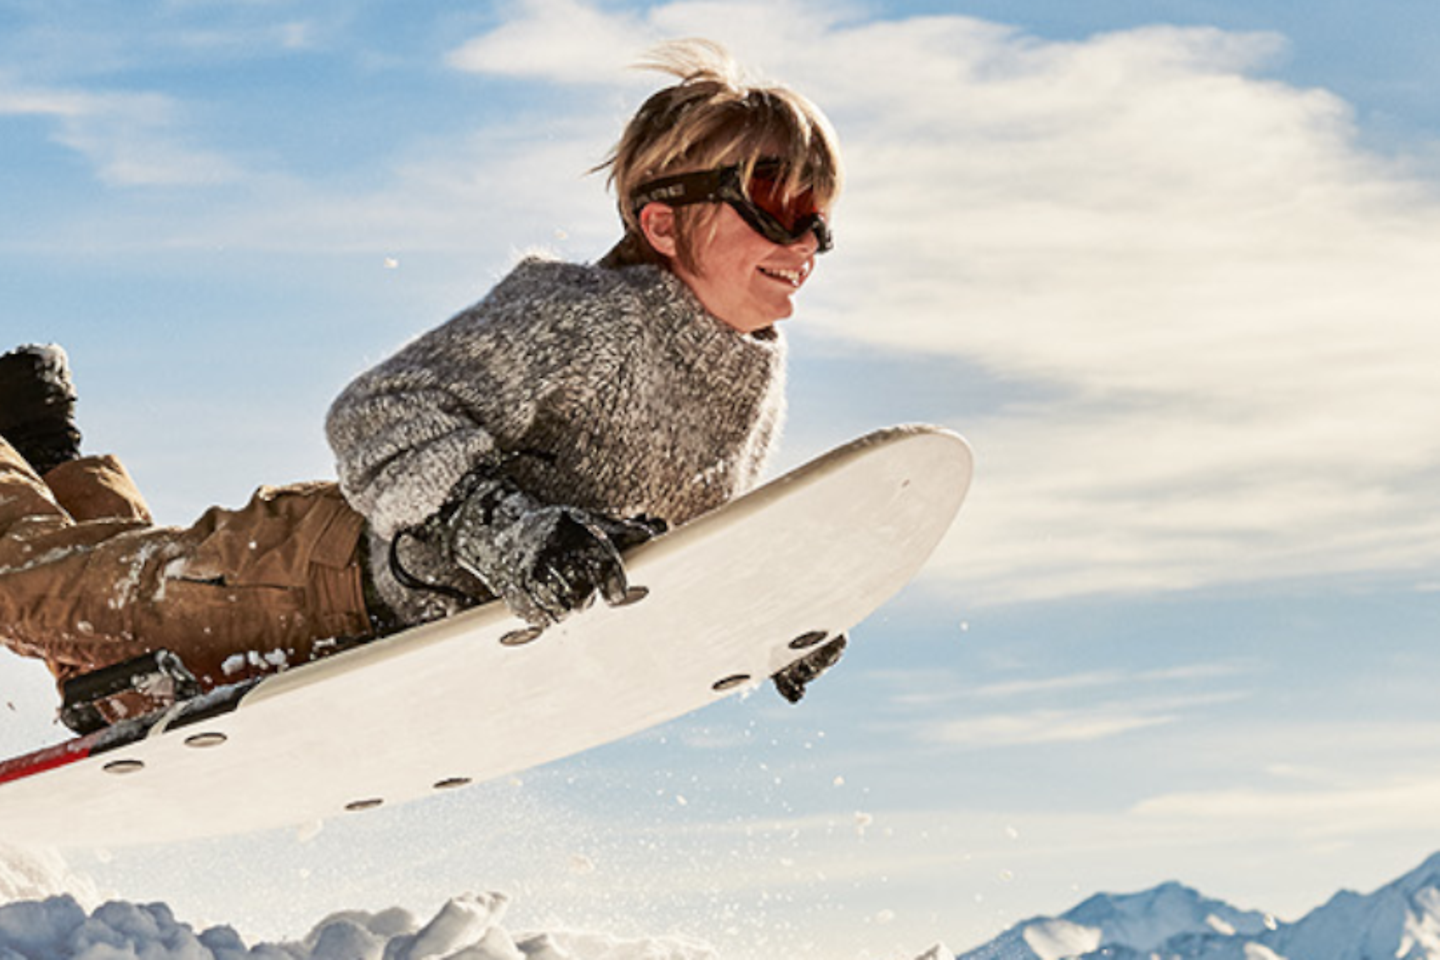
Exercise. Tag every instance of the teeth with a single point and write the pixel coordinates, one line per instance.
(793, 277)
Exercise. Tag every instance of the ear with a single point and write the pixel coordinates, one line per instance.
(657, 222)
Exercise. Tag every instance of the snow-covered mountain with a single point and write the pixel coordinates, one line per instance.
(1141, 921)
(1400, 920)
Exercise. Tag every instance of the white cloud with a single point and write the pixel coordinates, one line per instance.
(1084, 724)
(1348, 812)
(1044, 726)
(1102, 679)
(562, 40)
(1226, 299)
(1071, 708)
(130, 138)
(1221, 298)
(1208, 305)
(573, 41)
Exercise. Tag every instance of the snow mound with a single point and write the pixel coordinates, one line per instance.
(466, 928)
(36, 874)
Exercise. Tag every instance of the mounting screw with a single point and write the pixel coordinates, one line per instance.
(807, 640)
(518, 638)
(124, 767)
(357, 805)
(451, 783)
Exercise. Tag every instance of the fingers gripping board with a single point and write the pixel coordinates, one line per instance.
(728, 600)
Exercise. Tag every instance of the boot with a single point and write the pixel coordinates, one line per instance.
(37, 406)
(135, 688)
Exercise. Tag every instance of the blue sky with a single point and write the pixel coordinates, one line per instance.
(1169, 266)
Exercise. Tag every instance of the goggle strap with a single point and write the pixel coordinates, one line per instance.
(682, 189)
(723, 186)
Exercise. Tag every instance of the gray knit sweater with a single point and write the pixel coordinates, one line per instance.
(632, 398)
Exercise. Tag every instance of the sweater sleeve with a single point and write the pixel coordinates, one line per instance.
(402, 441)
(405, 432)
(401, 444)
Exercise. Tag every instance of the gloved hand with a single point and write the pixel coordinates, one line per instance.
(790, 682)
(37, 405)
(544, 561)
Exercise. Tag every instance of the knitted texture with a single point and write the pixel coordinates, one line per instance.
(630, 396)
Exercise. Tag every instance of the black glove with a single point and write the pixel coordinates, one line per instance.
(544, 561)
(791, 681)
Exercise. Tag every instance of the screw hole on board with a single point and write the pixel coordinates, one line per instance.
(518, 638)
(123, 767)
(807, 640)
(205, 740)
(451, 783)
(730, 682)
(357, 805)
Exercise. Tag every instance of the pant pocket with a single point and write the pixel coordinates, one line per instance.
(225, 633)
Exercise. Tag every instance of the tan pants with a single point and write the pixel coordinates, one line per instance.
(86, 579)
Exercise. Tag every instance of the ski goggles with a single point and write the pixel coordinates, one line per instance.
(761, 201)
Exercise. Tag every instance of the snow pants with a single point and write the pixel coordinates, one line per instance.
(87, 579)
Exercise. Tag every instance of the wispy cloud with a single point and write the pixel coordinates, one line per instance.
(1334, 811)
(131, 139)
(559, 40)
(1042, 725)
(1207, 307)
(1080, 707)
(69, 66)
(1226, 297)
(1112, 679)
(1045, 726)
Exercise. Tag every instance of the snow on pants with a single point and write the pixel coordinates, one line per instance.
(87, 580)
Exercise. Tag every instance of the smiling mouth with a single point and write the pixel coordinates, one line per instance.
(793, 277)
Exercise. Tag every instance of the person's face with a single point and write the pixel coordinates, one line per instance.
(745, 280)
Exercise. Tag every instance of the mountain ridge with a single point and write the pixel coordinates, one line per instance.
(1172, 921)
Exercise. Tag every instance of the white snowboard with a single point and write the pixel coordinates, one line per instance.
(732, 598)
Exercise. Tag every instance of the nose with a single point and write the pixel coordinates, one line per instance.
(808, 245)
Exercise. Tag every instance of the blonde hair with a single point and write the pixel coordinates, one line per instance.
(713, 118)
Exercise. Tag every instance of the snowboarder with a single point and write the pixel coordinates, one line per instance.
(513, 452)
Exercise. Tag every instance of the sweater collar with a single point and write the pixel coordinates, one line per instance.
(698, 336)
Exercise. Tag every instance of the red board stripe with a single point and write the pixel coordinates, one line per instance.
(48, 758)
(204, 707)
